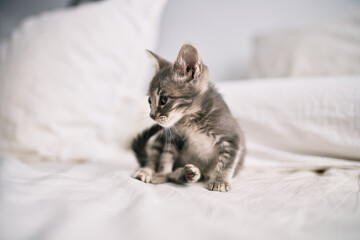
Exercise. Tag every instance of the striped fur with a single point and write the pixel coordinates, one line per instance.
(195, 137)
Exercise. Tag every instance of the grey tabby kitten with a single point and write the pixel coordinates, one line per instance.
(195, 137)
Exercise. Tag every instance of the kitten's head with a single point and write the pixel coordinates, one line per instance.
(175, 87)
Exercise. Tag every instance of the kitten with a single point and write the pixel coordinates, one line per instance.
(195, 136)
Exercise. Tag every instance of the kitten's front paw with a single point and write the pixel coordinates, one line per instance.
(158, 178)
(219, 186)
(143, 174)
(192, 173)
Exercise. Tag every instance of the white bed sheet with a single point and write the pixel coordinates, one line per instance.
(101, 201)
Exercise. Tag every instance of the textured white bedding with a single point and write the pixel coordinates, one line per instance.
(101, 201)
(275, 196)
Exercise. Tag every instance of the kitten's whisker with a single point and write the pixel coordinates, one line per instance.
(179, 134)
(166, 137)
(159, 136)
(173, 139)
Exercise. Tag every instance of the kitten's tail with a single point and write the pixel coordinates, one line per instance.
(138, 144)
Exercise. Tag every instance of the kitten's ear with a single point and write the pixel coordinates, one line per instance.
(188, 65)
(160, 63)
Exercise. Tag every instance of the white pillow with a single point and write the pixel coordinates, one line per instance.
(70, 80)
(315, 116)
(331, 49)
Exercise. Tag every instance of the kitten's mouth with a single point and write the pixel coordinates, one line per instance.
(161, 119)
(168, 121)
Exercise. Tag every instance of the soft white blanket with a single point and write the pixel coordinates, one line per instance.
(291, 127)
(101, 201)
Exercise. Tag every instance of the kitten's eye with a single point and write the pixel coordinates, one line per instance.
(163, 100)
(149, 100)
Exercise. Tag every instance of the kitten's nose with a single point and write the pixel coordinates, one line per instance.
(152, 115)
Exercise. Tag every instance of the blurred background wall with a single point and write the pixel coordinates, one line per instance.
(222, 30)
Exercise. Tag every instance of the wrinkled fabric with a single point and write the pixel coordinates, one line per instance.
(314, 116)
(101, 200)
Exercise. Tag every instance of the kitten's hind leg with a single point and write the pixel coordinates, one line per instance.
(165, 166)
(187, 174)
(192, 173)
(152, 150)
(146, 173)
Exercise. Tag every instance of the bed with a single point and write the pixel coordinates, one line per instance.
(70, 103)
